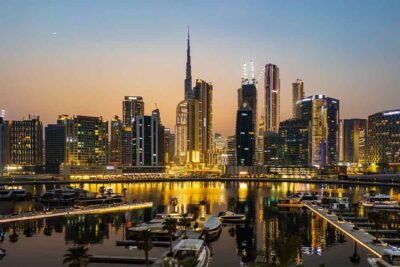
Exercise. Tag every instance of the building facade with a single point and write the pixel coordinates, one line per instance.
(132, 106)
(54, 147)
(116, 141)
(272, 98)
(354, 140)
(294, 134)
(272, 145)
(3, 142)
(297, 94)
(231, 150)
(245, 136)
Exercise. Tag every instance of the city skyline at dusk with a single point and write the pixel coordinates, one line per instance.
(81, 58)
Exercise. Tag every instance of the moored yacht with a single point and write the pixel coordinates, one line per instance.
(212, 227)
(390, 258)
(188, 249)
(160, 217)
(12, 194)
(379, 201)
(156, 229)
(231, 217)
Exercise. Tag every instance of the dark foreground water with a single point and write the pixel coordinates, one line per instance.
(44, 242)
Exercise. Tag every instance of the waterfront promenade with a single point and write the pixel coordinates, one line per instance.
(74, 211)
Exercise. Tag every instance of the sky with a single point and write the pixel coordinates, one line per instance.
(83, 57)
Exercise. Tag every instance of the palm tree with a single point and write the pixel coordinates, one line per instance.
(185, 222)
(77, 257)
(145, 243)
(376, 218)
(170, 225)
(287, 249)
(355, 207)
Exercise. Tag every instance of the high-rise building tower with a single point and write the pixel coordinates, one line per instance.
(272, 98)
(3, 143)
(55, 147)
(132, 106)
(203, 92)
(297, 94)
(355, 135)
(188, 79)
(231, 150)
(322, 113)
(294, 134)
(116, 141)
(245, 136)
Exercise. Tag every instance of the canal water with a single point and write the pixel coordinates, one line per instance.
(44, 242)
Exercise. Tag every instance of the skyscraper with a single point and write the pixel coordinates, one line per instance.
(231, 150)
(297, 94)
(384, 140)
(3, 144)
(127, 152)
(272, 145)
(169, 145)
(116, 141)
(188, 79)
(132, 106)
(203, 92)
(355, 135)
(25, 144)
(294, 135)
(272, 98)
(245, 136)
(248, 94)
(86, 140)
(322, 113)
(55, 147)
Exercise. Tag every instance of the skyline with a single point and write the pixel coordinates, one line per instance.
(48, 61)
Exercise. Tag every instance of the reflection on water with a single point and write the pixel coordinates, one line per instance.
(43, 243)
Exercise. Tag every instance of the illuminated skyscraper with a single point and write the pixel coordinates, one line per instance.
(127, 152)
(188, 79)
(231, 150)
(245, 136)
(86, 140)
(3, 144)
(322, 113)
(355, 137)
(55, 147)
(187, 131)
(297, 94)
(132, 106)
(272, 98)
(169, 145)
(294, 135)
(203, 92)
(116, 141)
(384, 140)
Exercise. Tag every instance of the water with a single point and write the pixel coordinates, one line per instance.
(44, 242)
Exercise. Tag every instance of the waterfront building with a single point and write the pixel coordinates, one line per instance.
(25, 142)
(272, 98)
(260, 142)
(86, 140)
(148, 140)
(295, 146)
(245, 136)
(248, 94)
(384, 140)
(219, 141)
(187, 131)
(54, 147)
(341, 141)
(272, 146)
(127, 152)
(203, 92)
(354, 140)
(297, 94)
(132, 106)
(3, 142)
(231, 150)
(322, 113)
(116, 141)
(169, 145)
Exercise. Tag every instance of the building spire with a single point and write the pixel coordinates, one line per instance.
(188, 79)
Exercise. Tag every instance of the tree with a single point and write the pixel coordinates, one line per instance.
(376, 218)
(287, 249)
(77, 257)
(145, 243)
(185, 222)
(170, 225)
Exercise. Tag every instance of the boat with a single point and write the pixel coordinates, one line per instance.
(231, 217)
(379, 201)
(156, 229)
(335, 203)
(212, 228)
(12, 194)
(160, 217)
(2, 253)
(390, 258)
(188, 249)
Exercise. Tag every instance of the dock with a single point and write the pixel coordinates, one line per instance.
(73, 211)
(133, 243)
(120, 259)
(360, 236)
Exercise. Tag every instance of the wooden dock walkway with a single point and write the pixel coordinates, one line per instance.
(73, 211)
(361, 236)
(120, 259)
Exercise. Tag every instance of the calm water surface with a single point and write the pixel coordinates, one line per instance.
(44, 242)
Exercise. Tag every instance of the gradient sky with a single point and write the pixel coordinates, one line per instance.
(82, 57)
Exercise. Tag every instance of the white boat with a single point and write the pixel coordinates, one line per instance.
(156, 229)
(10, 194)
(65, 193)
(188, 249)
(160, 217)
(212, 227)
(231, 217)
(390, 258)
(381, 201)
(337, 203)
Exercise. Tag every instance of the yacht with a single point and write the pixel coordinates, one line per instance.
(64, 194)
(381, 201)
(212, 227)
(2, 253)
(12, 194)
(188, 249)
(156, 229)
(335, 203)
(231, 217)
(390, 258)
(160, 217)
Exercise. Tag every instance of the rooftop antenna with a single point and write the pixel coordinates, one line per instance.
(244, 71)
(252, 69)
